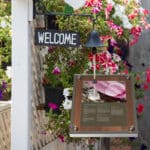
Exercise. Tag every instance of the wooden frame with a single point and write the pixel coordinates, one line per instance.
(91, 119)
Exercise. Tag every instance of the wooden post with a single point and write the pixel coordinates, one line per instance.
(21, 88)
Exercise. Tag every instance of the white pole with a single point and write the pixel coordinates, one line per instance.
(20, 126)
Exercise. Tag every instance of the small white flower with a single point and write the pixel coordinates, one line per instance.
(111, 2)
(9, 71)
(67, 104)
(116, 57)
(3, 24)
(90, 64)
(119, 10)
(138, 1)
(126, 23)
(67, 92)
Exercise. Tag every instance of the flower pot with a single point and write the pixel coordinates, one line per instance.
(53, 95)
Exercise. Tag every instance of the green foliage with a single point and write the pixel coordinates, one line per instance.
(5, 34)
(59, 123)
(69, 60)
(5, 47)
(50, 5)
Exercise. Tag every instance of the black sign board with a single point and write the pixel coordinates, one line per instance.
(104, 108)
(56, 38)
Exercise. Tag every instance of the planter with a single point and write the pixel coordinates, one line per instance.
(53, 95)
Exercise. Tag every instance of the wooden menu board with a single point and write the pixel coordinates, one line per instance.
(110, 113)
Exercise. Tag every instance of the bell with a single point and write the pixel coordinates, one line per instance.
(94, 40)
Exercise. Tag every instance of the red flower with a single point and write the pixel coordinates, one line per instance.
(61, 137)
(138, 77)
(126, 71)
(140, 108)
(71, 63)
(145, 86)
(91, 57)
(44, 81)
(145, 11)
(105, 38)
(53, 106)
(136, 31)
(132, 16)
(148, 75)
(97, 66)
(119, 31)
(89, 3)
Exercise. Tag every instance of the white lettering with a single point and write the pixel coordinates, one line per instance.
(56, 38)
(74, 38)
(47, 37)
(67, 38)
(61, 39)
(40, 37)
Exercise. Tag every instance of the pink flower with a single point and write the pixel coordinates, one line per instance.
(116, 28)
(146, 25)
(140, 108)
(53, 106)
(148, 75)
(126, 72)
(134, 41)
(89, 3)
(145, 86)
(93, 3)
(108, 10)
(146, 11)
(136, 31)
(119, 31)
(113, 67)
(113, 42)
(105, 38)
(95, 10)
(96, 4)
(56, 70)
(61, 137)
(132, 16)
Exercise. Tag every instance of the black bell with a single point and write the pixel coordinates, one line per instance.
(94, 40)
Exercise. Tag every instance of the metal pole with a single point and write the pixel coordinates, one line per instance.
(107, 143)
(103, 144)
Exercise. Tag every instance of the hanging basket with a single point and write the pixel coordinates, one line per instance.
(53, 95)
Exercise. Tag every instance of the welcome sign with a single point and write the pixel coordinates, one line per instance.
(56, 38)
